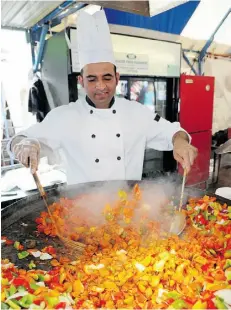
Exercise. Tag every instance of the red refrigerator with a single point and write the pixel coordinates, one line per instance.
(196, 114)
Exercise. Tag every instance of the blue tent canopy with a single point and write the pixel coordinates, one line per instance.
(171, 21)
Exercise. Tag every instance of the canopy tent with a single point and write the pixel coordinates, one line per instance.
(193, 19)
(201, 26)
(196, 20)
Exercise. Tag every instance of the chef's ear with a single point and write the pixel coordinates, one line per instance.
(80, 80)
(117, 78)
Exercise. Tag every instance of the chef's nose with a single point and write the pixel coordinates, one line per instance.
(100, 85)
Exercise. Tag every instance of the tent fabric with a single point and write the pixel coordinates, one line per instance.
(196, 20)
(172, 21)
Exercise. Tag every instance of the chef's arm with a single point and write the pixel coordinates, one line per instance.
(45, 150)
(41, 139)
(15, 140)
(163, 135)
(28, 151)
(180, 135)
(183, 151)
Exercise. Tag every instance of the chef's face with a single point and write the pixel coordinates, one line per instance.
(99, 81)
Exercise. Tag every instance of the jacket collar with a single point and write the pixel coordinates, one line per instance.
(93, 105)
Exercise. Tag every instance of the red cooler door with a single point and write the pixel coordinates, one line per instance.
(196, 102)
(200, 170)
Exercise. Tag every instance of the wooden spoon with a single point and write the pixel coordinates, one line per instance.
(179, 220)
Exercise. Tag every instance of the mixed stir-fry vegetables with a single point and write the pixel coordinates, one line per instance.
(126, 265)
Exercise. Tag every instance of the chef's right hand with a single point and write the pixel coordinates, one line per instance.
(27, 151)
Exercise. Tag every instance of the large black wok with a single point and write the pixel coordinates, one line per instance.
(18, 219)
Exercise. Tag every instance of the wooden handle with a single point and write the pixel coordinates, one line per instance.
(39, 185)
(182, 189)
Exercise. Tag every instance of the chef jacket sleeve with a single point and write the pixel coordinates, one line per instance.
(160, 132)
(48, 131)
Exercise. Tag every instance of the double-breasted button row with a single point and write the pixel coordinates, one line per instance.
(97, 159)
(113, 111)
(94, 136)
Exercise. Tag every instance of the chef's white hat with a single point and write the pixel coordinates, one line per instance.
(94, 39)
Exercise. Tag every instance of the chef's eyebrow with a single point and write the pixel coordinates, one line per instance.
(108, 75)
(91, 76)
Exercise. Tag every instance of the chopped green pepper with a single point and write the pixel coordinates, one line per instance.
(179, 304)
(52, 301)
(13, 304)
(40, 277)
(206, 215)
(34, 286)
(31, 265)
(4, 306)
(212, 218)
(16, 245)
(23, 254)
(6, 293)
(228, 275)
(173, 294)
(227, 254)
(227, 263)
(12, 290)
(26, 301)
(219, 303)
(215, 206)
(21, 289)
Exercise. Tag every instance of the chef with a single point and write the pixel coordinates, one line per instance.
(101, 137)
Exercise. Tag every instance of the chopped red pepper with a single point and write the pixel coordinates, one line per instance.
(201, 220)
(169, 301)
(210, 304)
(49, 249)
(54, 271)
(8, 275)
(205, 267)
(37, 302)
(7, 241)
(60, 305)
(20, 282)
(79, 303)
(102, 303)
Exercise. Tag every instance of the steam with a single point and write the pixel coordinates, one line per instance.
(159, 196)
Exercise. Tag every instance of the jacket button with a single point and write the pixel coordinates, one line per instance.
(118, 135)
(97, 160)
(91, 111)
(118, 158)
(114, 111)
(93, 136)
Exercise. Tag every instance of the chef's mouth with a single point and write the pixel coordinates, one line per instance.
(102, 95)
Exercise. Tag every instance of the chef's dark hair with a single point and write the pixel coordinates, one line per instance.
(81, 72)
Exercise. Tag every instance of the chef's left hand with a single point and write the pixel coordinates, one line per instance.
(183, 152)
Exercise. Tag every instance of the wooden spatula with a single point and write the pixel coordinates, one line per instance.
(77, 246)
(179, 221)
(182, 190)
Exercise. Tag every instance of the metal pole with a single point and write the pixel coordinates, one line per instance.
(41, 47)
(209, 42)
(53, 14)
(189, 63)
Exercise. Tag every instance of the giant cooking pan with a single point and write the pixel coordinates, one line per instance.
(18, 219)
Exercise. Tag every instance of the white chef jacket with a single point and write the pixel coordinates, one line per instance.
(104, 144)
